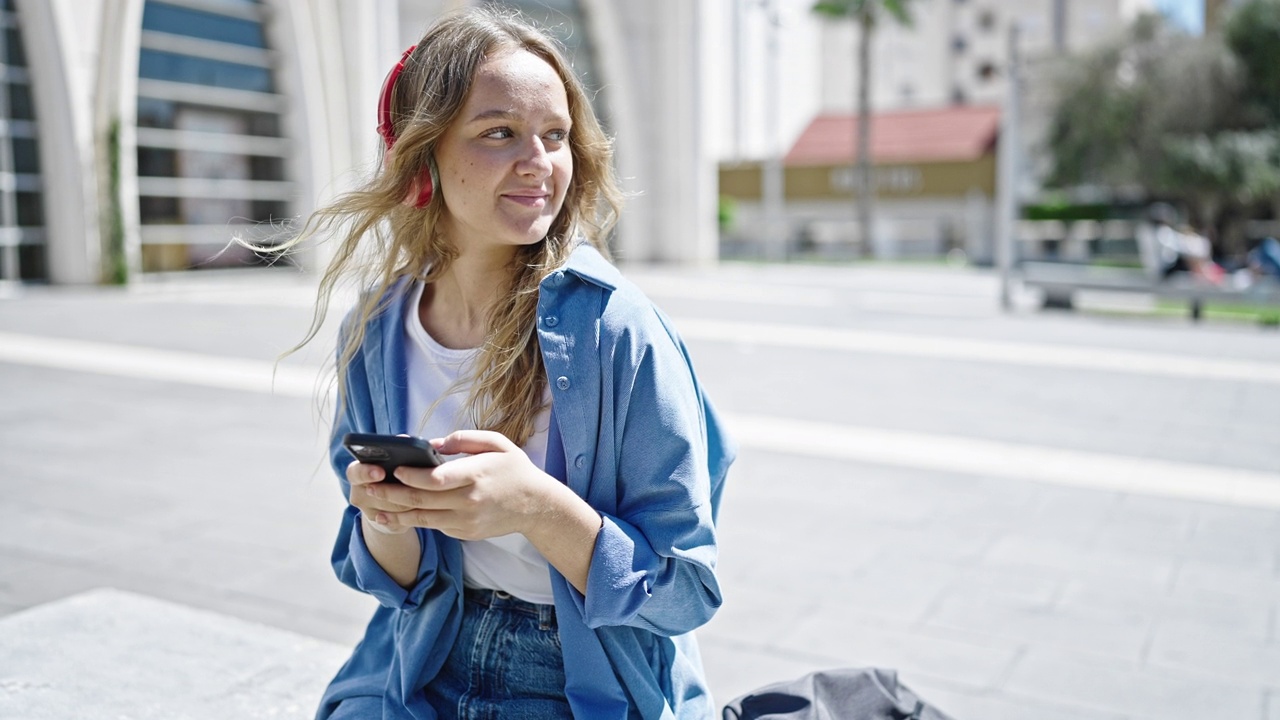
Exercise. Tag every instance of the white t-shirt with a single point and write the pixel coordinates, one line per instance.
(509, 563)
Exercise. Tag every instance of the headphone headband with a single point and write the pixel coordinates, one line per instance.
(386, 125)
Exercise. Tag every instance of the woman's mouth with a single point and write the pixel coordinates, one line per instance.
(537, 200)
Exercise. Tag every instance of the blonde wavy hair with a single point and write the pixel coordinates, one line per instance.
(382, 239)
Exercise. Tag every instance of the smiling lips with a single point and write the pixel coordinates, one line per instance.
(528, 198)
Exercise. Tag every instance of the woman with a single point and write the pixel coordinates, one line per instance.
(558, 564)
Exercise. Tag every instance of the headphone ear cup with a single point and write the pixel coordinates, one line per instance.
(425, 189)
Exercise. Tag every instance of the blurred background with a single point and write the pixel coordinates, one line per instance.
(854, 213)
(745, 128)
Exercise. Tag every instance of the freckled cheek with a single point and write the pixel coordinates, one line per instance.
(562, 191)
(564, 176)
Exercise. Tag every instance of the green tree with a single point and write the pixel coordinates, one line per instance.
(1174, 117)
(1253, 34)
(1116, 106)
(867, 14)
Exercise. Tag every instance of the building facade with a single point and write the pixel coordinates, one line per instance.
(140, 135)
(951, 62)
(934, 176)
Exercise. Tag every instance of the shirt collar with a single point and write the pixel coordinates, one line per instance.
(588, 264)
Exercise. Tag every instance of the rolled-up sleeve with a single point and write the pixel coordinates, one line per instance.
(356, 567)
(653, 565)
(352, 562)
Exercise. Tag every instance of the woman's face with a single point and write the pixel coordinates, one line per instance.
(504, 165)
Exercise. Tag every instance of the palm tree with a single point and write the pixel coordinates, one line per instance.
(866, 13)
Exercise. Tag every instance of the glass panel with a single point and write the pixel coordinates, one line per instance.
(155, 113)
(30, 212)
(157, 162)
(26, 156)
(14, 52)
(200, 24)
(32, 263)
(21, 106)
(264, 210)
(159, 210)
(157, 65)
(264, 125)
(266, 168)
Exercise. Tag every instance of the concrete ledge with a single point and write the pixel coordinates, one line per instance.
(113, 654)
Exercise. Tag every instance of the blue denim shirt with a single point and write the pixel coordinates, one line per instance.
(641, 444)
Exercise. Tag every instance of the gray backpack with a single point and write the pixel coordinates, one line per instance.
(841, 694)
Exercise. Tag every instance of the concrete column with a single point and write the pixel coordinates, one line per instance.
(295, 34)
(62, 44)
(669, 163)
(344, 48)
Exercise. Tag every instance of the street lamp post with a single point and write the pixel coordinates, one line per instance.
(1007, 185)
(773, 181)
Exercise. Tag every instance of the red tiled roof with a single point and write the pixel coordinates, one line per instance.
(937, 135)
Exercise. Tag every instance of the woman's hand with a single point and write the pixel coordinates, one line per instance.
(495, 490)
(394, 548)
(363, 478)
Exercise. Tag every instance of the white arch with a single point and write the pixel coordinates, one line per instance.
(296, 34)
(65, 141)
(610, 47)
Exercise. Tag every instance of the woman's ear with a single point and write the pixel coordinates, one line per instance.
(424, 187)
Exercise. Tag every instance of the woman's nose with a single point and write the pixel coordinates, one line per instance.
(534, 160)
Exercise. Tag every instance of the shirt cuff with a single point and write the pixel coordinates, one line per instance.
(373, 579)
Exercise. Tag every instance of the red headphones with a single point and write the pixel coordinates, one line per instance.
(420, 195)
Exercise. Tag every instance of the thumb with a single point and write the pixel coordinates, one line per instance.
(472, 442)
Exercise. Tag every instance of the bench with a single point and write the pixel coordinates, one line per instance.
(1061, 279)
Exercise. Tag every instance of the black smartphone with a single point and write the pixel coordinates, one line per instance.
(391, 451)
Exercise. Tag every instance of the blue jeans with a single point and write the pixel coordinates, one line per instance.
(1267, 256)
(506, 663)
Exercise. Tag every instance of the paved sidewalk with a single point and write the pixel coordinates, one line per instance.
(111, 654)
(150, 454)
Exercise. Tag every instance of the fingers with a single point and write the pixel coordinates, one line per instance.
(364, 479)
(404, 496)
(380, 522)
(447, 522)
(472, 442)
(359, 473)
(426, 478)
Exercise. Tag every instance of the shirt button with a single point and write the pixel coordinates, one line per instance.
(579, 461)
(562, 382)
(551, 321)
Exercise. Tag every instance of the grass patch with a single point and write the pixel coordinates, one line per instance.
(1235, 312)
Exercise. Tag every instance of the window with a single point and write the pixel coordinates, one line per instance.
(211, 151)
(22, 238)
(161, 17)
(156, 65)
(26, 156)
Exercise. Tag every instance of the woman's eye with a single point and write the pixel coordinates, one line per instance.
(498, 133)
(558, 135)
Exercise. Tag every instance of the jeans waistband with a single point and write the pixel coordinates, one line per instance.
(497, 599)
